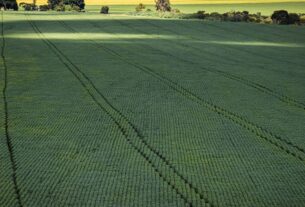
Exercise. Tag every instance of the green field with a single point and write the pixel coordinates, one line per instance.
(120, 110)
(264, 8)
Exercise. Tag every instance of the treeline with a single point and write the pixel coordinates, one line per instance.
(161, 5)
(56, 5)
(278, 17)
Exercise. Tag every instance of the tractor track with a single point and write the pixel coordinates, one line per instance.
(6, 117)
(279, 142)
(171, 55)
(127, 129)
(196, 190)
(281, 97)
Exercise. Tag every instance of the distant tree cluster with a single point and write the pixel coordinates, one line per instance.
(63, 5)
(9, 4)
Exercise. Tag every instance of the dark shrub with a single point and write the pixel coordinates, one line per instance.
(44, 7)
(105, 10)
(53, 3)
(76, 8)
(237, 16)
(59, 5)
(163, 5)
(29, 7)
(245, 16)
(229, 16)
(76, 5)
(280, 17)
(294, 18)
(200, 14)
(140, 7)
(215, 16)
(257, 18)
(72, 8)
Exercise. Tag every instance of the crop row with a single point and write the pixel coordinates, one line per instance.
(132, 135)
(265, 89)
(284, 144)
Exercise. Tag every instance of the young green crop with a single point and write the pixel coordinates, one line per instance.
(119, 110)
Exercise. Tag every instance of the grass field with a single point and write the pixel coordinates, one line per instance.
(132, 111)
(264, 8)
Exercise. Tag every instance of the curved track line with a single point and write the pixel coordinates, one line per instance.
(127, 129)
(6, 126)
(283, 98)
(180, 175)
(142, 139)
(281, 143)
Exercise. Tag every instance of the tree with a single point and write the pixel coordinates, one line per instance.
(163, 5)
(280, 17)
(105, 10)
(9, 4)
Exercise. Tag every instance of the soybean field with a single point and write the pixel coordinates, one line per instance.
(118, 110)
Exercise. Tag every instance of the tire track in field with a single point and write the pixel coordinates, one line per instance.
(142, 139)
(6, 116)
(169, 54)
(281, 143)
(262, 88)
(248, 82)
(152, 156)
(180, 175)
(282, 97)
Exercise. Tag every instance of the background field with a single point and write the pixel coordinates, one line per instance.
(264, 8)
(131, 111)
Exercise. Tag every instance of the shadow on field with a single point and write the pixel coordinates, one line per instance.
(135, 25)
(219, 39)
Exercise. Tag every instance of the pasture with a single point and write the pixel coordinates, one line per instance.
(117, 110)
